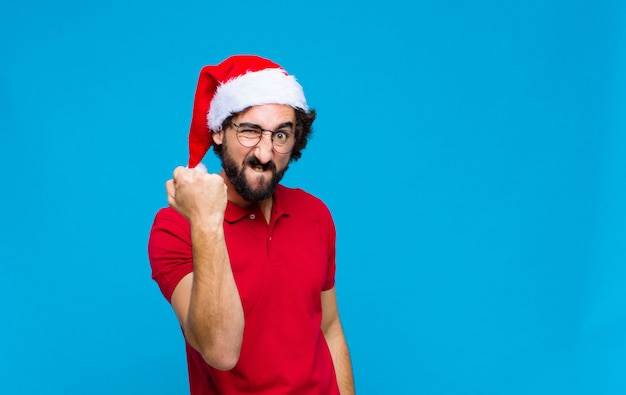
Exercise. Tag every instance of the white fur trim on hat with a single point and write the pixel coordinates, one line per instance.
(269, 86)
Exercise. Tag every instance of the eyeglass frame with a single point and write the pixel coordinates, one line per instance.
(272, 132)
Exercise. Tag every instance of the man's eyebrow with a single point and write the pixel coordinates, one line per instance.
(249, 125)
(285, 124)
(255, 126)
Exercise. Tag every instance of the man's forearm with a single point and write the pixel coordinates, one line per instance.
(215, 321)
(341, 359)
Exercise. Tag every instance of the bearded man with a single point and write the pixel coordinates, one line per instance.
(248, 264)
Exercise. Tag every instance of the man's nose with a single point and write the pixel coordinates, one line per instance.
(264, 150)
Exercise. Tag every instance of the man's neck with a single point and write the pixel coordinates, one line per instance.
(235, 198)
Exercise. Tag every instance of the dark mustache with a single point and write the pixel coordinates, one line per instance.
(253, 161)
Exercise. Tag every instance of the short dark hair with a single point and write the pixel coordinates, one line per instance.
(304, 128)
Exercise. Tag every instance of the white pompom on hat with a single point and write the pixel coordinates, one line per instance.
(239, 82)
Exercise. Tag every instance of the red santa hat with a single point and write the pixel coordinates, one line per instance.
(237, 83)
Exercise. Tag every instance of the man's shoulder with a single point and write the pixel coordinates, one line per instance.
(294, 193)
(298, 197)
(167, 216)
(168, 213)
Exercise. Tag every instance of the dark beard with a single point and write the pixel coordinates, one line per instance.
(237, 177)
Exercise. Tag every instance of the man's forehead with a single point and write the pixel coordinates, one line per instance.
(277, 113)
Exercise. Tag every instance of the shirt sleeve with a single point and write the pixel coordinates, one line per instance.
(332, 240)
(169, 250)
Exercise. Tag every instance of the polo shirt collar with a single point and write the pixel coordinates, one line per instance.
(280, 206)
(234, 213)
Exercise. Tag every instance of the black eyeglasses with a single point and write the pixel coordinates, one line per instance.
(249, 135)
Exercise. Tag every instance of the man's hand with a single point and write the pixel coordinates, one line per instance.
(196, 194)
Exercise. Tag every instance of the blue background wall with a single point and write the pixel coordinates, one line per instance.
(472, 153)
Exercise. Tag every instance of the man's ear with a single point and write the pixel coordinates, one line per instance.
(217, 137)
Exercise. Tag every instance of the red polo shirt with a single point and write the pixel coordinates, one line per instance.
(280, 270)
